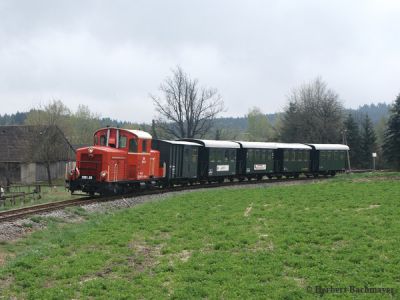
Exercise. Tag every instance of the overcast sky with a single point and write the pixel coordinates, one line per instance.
(110, 55)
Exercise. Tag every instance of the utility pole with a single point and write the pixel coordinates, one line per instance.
(344, 140)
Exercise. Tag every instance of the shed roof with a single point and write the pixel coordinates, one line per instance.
(330, 147)
(18, 142)
(258, 145)
(214, 143)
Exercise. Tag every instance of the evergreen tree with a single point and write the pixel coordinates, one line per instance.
(353, 140)
(368, 142)
(391, 147)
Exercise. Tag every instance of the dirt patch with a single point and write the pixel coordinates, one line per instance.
(372, 206)
(248, 210)
(144, 256)
(184, 255)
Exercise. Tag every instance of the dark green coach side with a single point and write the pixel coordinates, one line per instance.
(179, 160)
(328, 159)
(292, 159)
(256, 159)
(217, 159)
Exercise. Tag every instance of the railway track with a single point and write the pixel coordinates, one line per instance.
(14, 214)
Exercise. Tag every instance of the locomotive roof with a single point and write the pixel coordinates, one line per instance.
(330, 146)
(292, 146)
(139, 133)
(214, 143)
(261, 145)
(181, 143)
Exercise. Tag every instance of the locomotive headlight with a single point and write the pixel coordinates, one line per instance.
(103, 175)
(90, 150)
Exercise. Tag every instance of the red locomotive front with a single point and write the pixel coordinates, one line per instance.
(119, 161)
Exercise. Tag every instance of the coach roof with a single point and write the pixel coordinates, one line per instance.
(181, 143)
(293, 146)
(258, 145)
(329, 146)
(214, 143)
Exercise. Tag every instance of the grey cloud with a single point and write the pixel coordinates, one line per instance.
(112, 54)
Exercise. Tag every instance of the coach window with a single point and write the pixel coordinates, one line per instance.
(194, 155)
(341, 155)
(133, 147)
(226, 156)
(122, 142)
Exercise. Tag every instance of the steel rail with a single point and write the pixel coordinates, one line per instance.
(14, 214)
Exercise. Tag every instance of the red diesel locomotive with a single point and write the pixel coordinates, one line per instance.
(119, 161)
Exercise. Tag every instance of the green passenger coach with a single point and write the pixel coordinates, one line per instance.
(256, 159)
(217, 159)
(328, 159)
(292, 159)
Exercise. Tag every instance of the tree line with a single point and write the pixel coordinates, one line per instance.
(314, 113)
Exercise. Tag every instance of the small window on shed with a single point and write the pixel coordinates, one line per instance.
(286, 155)
(122, 142)
(103, 140)
(133, 147)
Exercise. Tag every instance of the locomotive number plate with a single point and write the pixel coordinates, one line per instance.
(87, 177)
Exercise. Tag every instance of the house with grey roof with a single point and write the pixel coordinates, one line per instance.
(32, 153)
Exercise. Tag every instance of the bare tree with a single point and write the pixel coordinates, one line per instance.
(313, 114)
(50, 143)
(186, 110)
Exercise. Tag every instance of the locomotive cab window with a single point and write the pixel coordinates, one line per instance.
(144, 146)
(133, 147)
(122, 142)
(103, 140)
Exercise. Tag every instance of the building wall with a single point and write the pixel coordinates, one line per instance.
(57, 170)
(28, 173)
(9, 173)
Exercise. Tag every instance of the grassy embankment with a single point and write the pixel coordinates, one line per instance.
(268, 243)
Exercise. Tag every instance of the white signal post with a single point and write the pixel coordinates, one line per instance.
(373, 160)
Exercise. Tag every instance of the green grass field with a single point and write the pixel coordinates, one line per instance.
(262, 243)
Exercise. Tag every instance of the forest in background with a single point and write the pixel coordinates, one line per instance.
(78, 126)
